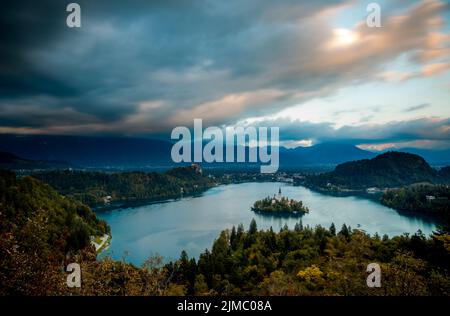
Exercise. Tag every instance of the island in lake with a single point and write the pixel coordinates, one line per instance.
(280, 205)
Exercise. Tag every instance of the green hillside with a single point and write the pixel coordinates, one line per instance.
(388, 170)
(98, 188)
(39, 230)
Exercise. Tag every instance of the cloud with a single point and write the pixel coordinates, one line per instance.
(231, 106)
(423, 144)
(424, 129)
(40, 113)
(418, 107)
(427, 70)
(436, 47)
(144, 66)
(396, 76)
(434, 69)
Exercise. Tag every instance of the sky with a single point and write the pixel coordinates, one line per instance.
(312, 68)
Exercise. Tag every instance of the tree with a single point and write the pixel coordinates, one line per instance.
(233, 236)
(298, 226)
(313, 276)
(200, 286)
(345, 231)
(253, 229)
(278, 283)
(333, 230)
(240, 231)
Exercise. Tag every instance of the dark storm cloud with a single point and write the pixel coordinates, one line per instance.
(145, 66)
(25, 26)
(183, 52)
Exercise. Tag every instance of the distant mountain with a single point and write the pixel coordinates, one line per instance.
(14, 162)
(444, 173)
(90, 151)
(321, 154)
(391, 169)
(127, 152)
(7, 158)
(130, 153)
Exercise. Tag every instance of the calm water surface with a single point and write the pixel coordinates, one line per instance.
(193, 223)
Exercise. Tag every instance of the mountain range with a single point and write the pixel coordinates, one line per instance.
(93, 152)
(11, 161)
(129, 152)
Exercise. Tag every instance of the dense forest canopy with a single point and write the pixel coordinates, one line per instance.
(42, 231)
(95, 188)
(39, 229)
(432, 200)
(388, 170)
(316, 261)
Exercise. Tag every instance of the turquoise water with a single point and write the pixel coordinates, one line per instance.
(193, 223)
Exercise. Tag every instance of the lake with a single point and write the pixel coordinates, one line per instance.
(192, 223)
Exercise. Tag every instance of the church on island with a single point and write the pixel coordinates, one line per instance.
(279, 204)
(278, 197)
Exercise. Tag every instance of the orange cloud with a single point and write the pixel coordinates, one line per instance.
(436, 47)
(355, 49)
(230, 105)
(434, 69)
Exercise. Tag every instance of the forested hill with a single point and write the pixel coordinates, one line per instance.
(41, 232)
(39, 228)
(433, 200)
(98, 188)
(391, 169)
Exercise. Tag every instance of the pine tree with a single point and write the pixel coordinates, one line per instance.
(233, 236)
(333, 229)
(298, 226)
(253, 227)
(345, 231)
(240, 231)
(184, 257)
